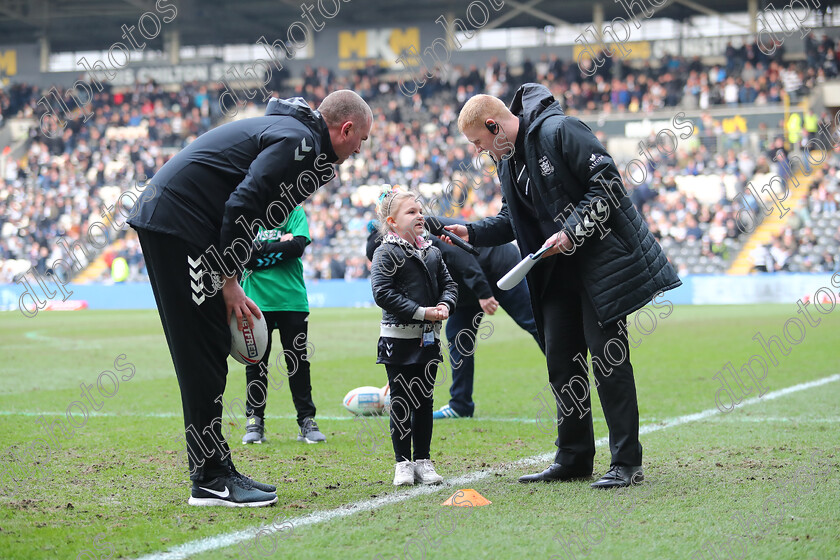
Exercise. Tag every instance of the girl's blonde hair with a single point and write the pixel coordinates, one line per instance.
(390, 204)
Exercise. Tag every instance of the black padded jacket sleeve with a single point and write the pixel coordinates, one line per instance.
(590, 163)
(492, 230)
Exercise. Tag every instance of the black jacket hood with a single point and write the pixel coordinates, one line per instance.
(298, 108)
(530, 100)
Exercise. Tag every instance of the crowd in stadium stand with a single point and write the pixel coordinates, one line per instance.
(810, 241)
(56, 188)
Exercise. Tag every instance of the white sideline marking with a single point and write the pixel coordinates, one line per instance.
(60, 342)
(464, 481)
(650, 420)
(268, 416)
(784, 419)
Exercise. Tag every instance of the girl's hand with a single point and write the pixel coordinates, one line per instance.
(443, 310)
(438, 313)
(432, 314)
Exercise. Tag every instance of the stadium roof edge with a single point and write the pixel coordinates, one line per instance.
(78, 25)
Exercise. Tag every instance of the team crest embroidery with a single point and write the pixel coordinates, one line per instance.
(218, 283)
(545, 166)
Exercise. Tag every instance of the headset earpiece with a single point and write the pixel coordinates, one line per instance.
(493, 128)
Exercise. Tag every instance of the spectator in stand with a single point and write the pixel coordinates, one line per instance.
(762, 259)
(829, 263)
(692, 230)
(780, 256)
(807, 239)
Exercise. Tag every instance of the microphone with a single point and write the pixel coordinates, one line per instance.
(437, 230)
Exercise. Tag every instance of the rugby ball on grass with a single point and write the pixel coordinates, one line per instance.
(364, 401)
(248, 345)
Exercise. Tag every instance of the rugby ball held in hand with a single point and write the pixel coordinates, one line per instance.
(364, 401)
(248, 345)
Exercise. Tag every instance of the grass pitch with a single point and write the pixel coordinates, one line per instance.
(759, 482)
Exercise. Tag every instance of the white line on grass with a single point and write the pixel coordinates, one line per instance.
(783, 419)
(268, 416)
(61, 342)
(464, 481)
(649, 420)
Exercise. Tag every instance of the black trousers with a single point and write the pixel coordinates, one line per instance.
(198, 336)
(570, 327)
(293, 327)
(412, 386)
(461, 334)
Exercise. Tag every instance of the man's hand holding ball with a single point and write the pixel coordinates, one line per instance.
(237, 302)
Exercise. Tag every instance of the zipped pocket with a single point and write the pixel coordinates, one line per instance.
(623, 242)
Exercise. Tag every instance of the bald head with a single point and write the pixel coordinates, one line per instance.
(348, 119)
(489, 126)
(479, 108)
(344, 105)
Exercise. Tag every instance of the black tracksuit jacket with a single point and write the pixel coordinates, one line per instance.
(237, 176)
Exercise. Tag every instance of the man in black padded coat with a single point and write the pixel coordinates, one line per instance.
(562, 190)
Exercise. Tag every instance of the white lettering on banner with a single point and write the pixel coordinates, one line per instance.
(180, 74)
(378, 43)
(124, 77)
(699, 46)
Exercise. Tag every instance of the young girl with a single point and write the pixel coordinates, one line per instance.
(412, 286)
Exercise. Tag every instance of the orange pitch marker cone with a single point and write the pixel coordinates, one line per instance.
(466, 498)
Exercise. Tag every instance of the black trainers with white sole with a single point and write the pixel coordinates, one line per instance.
(270, 488)
(229, 491)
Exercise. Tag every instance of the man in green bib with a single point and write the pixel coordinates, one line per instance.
(274, 280)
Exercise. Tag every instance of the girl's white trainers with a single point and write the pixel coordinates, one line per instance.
(404, 475)
(424, 472)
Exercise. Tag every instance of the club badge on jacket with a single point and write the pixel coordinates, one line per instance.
(545, 166)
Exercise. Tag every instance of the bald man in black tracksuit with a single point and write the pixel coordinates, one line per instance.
(196, 229)
(476, 277)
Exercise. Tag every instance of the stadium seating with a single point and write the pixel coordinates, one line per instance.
(59, 186)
